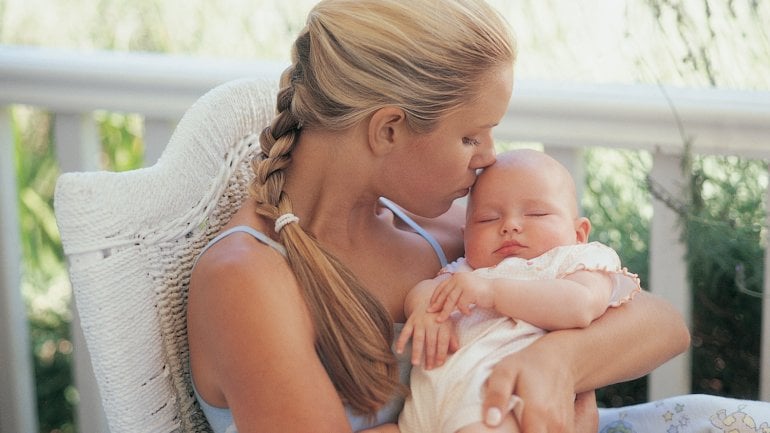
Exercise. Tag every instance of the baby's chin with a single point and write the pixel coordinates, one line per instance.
(490, 262)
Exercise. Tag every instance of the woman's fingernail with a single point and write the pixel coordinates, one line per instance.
(494, 416)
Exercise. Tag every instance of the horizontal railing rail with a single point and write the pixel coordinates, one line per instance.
(564, 117)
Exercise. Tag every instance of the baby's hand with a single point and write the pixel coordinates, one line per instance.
(431, 340)
(462, 291)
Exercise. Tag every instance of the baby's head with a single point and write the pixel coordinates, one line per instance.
(522, 206)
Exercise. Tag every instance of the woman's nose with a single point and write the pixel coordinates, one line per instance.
(485, 156)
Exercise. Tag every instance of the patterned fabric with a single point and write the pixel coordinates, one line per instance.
(696, 413)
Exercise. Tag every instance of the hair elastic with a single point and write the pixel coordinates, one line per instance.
(284, 219)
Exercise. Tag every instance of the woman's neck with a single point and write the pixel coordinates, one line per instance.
(329, 183)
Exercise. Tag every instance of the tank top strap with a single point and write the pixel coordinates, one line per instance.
(280, 248)
(416, 227)
(258, 235)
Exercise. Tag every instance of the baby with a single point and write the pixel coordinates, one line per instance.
(528, 269)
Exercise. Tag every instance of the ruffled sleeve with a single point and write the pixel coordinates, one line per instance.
(459, 265)
(595, 256)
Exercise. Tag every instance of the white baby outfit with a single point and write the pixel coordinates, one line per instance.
(447, 398)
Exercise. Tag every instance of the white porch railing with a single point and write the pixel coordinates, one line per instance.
(564, 117)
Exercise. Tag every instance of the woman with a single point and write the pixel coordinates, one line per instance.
(384, 98)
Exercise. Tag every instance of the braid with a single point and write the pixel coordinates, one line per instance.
(354, 331)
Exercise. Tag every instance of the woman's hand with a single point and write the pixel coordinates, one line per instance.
(560, 411)
(543, 382)
(586, 413)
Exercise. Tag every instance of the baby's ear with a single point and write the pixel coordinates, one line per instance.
(582, 229)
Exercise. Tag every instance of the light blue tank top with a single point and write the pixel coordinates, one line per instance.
(221, 419)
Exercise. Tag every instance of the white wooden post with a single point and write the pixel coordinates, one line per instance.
(572, 159)
(17, 393)
(78, 149)
(157, 133)
(668, 272)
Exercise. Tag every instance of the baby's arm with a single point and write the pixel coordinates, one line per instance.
(573, 301)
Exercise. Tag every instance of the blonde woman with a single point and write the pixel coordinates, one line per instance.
(293, 309)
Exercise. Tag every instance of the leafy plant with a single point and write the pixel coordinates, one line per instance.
(724, 231)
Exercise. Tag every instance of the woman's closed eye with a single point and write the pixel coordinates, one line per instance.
(471, 141)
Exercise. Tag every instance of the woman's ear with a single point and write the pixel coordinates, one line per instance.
(582, 229)
(387, 127)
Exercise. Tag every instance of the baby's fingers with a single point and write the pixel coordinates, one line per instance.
(447, 343)
(439, 297)
(465, 304)
(446, 311)
(403, 338)
(418, 345)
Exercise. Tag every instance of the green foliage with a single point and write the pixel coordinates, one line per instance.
(723, 221)
(47, 304)
(724, 231)
(56, 395)
(616, 201)
(122, 145)
(721, 44)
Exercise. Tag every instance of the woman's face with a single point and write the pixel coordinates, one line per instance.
(440, 166)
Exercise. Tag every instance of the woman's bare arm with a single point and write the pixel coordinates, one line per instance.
(252, 343)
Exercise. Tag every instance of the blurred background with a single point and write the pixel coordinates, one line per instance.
(690, 44)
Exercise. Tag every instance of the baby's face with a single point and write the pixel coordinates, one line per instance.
(519, 211)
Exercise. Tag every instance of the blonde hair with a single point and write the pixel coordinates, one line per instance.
(354, 57)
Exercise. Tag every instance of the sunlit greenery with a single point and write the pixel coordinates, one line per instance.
(724, 230)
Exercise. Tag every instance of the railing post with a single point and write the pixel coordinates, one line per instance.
(157, 133)
(764, 359)
(78, 149)
(17, 392)
(572, 159)
(668, 271)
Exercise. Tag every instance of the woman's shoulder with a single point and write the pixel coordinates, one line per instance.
(238, 253)
(242, 295)
(241, 269)
(243, 246)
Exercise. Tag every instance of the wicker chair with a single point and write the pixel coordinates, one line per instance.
(131, 239)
